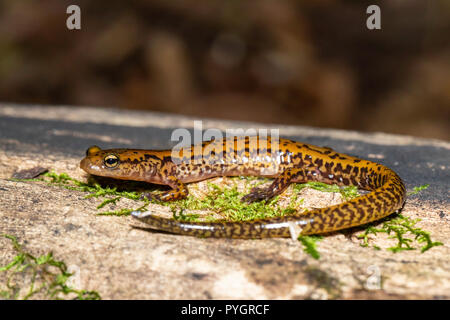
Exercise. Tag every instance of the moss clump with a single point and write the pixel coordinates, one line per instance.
(310, 245)
(418, 189)
(347, 192)
(95, 191)
(227, 202)
(48, 277)
(184, 217)
(402, 229)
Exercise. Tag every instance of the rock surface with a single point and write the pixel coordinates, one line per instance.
(123, 262)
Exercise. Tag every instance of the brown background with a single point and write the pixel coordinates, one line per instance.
(296, 62)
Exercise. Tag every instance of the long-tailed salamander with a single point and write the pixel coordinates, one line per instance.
(286, 161)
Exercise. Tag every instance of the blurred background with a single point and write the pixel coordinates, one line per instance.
(294, 62)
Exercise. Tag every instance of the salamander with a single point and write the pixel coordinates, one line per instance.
(284, 160)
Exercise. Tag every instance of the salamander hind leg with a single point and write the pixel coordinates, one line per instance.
(278, 186)
(179, 191)
(258, 194)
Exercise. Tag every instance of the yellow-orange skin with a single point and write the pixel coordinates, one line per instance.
(287, 161)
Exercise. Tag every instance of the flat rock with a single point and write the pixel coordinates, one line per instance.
(115, 257)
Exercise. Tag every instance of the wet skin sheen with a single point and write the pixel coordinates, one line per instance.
(286, 161)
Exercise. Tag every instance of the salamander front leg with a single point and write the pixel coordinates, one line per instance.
(278, 186)
(179, 191)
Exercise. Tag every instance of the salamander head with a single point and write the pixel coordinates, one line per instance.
(115, 163)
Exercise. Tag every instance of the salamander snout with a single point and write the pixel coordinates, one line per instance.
(84, 163)
(90, 165)
(93, 161)
(102, 162)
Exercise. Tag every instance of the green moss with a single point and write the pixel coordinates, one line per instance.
(121, 212)
(108, 201)
(184, 217)
(22, 180)
(310, 245)
(95, 191)
(347, 192)
(416, 190)
(227, 202)
(403, 229)
(47, 276)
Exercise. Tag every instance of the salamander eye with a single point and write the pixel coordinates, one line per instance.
(111, 161)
